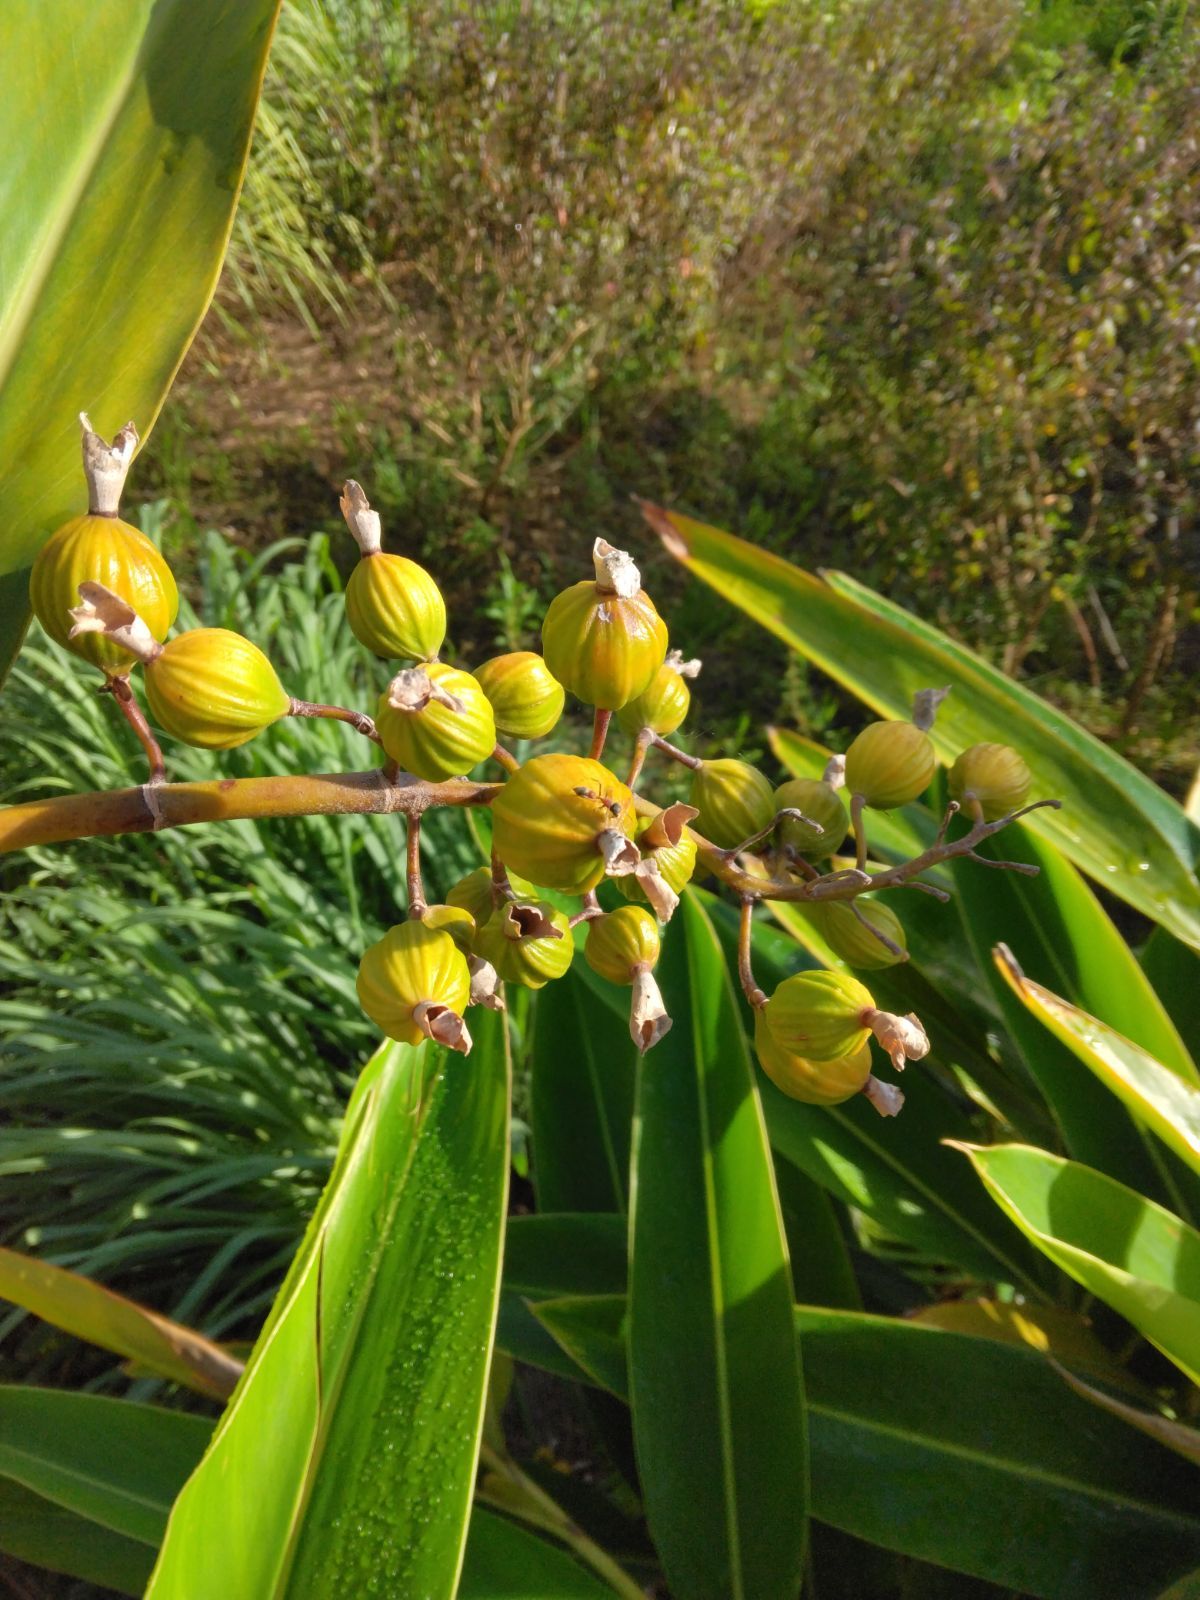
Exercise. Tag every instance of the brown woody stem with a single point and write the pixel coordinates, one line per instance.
(750, 989)
(358, 720)
(591, 909)
(416, 887)
(600, 725)
(122, 692)
(641, 744)
(506, 759)
(675, 752)
(860, 832)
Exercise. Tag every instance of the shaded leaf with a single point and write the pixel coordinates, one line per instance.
(48, 1535)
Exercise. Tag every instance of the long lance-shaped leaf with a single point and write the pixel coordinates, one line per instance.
(1115, 824)
(96, 1314)
(715, 1373)
(1155, 1094)
(47, 1535)
(1139, 1258)
(505, 1562)
(125, 136)
(962, 1451)
(347, 1456)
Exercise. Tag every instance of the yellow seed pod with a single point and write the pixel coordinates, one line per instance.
(819, 1015)
(671, 849)
(890, 763)
(100, 548)
(554, 820)
(454, 920)
(817, 1083)
(993, 774)
(527, 941)
(526, 698)
(414, 984)
(474, 893)
(393, 606)
(620, 942)
(664, 703)
(603, 640)
(435, 721)
(734, 801)
(820, 801)
(213, 688)
(847, 936)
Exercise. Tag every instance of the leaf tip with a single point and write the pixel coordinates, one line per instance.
(666, 527)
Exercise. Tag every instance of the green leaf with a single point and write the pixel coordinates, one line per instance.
(347, 1455)
(1174, 970)
(1139, 1258)
(1155, 1094)
(91, 1312)
(504, 1562)
(715, 1374)
(593, 1331)
(38, 1531)
(822, 1272)
(552, 1254)
(1115, 824)
(112, 1461)
(966, 1452)
(116, 217)
(581, 1100)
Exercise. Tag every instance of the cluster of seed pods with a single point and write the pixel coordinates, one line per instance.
(562, 823)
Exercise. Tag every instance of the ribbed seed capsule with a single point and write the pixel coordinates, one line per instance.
(664, 703)
(603, 639)
(393, 606)
(435, 722)
(621, 941)
(474, 893)
(667, 848)
(850, 937)
(994, 775)
(527, 941)
(890, 763)
(826, 832)
(414, 984)
(733, 799)
(820, 1015)
(562, 821)
(526, 698)
(100, 548)
(816, 1083)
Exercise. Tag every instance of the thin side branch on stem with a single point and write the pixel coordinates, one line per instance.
(122, 692)
(750, 989)
(600, 726)
(358, 720)
(416, 887)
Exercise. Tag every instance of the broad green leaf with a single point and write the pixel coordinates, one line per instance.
(346, 1458)
(896, 1171)
(1176, 1436)
(581, 1100)
(1174, 970)
(555, 1253)
(593, 1332)
(111, 1461)
(822, 1272)
(1115, 824)
(1053, 1331)
(505, 1562)
(125, 137)
(48, 1535)
(966, 1452)
(1139, 1258)
(94, 1313)
(715, 1374)
(1158, 1096)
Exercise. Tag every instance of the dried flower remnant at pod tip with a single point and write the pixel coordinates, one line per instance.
(561, 823)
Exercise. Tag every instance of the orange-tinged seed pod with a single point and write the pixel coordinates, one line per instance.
(664, 703)
(734, 800)
(849, 936)
(820, 802)
(820, 1015)
(414, 984)
(526, 698)
(212, 688)
(527, 941)
(816, 1083)
(621, 941)
(994, 775)
(603, 639)
(435, 721)
(101, 548)
(393, 606)
(890, 764)
(561, 820)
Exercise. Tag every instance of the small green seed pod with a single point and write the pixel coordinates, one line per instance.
(100, 548)
(995, 776)
(824, 805)
(603, 639)
(562, 821)
(393, 606)
(890, 764)
(474, 893)
(816, 1083)
(733, 799)
(526, 698)
(664, 703)
(820, 1015)
(435, 721)
(620, 942)
(527, 941)
(454, 920)
(850, 937)
(667, 847)
(414, 984)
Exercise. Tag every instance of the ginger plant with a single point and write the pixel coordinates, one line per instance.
(562, 824)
